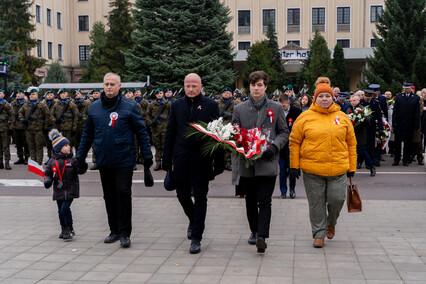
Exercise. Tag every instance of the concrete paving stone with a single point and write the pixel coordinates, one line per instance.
(303, 272)
(59, 257)
(373, 258)
(130, 277)
(310, 256)
(215, 254)
(7, 272)
(401, 266)
(142, 268)
(150, 260)
(34, 274)
(208, 270)
(302, 280)
(18, 280)
(65, 275)
(347, 281)
(378, 266)
(76, 266)
(387, 282)
(381, 275)
(45, 265)
(29, 256)
(103, 276)
(167, 278)
(199, 279)
(109, 267)
(247, 271)
(233, 279)
(266, 270)
(15, 249)
(158, 252)
(340, 258)
(353, 273)
(405, 259)
(184, 260)
(203, 261)
(369, 251)
(44, 281)
(310, 264)
(401, 252)
(274, 279)
(174, 269)
(18, 264)
(124, 259)
(413, 275)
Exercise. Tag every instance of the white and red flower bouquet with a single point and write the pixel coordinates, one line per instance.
(249, 143)
(359, 115)
(385, 136)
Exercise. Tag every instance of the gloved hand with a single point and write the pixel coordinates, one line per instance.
(147, 163)
(81, 167)
(350, 174)
(47, 184)
(295, 173)
(270, 152)
(25, 122)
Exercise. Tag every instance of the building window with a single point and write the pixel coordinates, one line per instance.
(244, 24)
(49, 17)
(268, 14)
(345, 43)
(84, 53)
(83, 23)
(372, 42)
(318, 19)
(343, 15)
(243, 45)
(375, 13)
(293, 20)
(294, 41)
(38, 14)
(39, 48)
(49, 50)
(60, 56)
(59, 20)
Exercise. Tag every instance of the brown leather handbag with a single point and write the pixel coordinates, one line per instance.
(353, 199)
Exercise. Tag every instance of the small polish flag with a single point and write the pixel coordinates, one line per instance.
(35, 168)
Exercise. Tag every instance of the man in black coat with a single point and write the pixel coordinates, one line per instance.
(405, 119)
(291, 114)
(111, 125)
(182, 154)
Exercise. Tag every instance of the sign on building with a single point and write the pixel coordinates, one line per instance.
(287, 54)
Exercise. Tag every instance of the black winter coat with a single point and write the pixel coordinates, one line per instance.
(185, 153)
(71, 185)
(291, 117)
(375, 121)
(360, 129)
(406, 115)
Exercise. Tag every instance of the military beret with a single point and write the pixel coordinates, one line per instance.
(374, 86)
(96, 90)
(19, 91)
(128, 90)
(227, 89)
(158, 90)
(344, 95)
(33, 91)
(369, 92)
(76, 91)
(168, 89)
(137, 89)
(407, 85)
(49, 92)
(1, 91)
(63, 90)
(289, 87)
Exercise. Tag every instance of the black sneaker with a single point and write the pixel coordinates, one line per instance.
(125, 242)
(67, 234)
(261, 245)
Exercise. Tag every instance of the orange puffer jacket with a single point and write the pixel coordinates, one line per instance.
(322, 142)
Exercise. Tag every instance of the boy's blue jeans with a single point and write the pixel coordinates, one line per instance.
(284, 173)
(64, 211)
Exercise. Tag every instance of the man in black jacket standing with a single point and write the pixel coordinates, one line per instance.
(111, 124)
(405, 119)
(191, 169)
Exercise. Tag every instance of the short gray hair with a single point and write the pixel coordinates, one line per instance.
(113, 74)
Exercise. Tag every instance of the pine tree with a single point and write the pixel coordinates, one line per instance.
(341, 78)
(319, 62)
(276, 56)
(174, 38)
(16, 27)
(13, 79)
(96, 67)
(260, 57)
(119, 35)
(400, 46)
(56, 74)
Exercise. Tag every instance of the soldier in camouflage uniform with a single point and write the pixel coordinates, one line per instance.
(226, 108)
(49, 101)
(96, 94)
(83, 109)
(7, 119)
(168, 94)
(157, 114)
(139, 102)
(35, 117)
(19, 131)
(67, 123)
(129, 95)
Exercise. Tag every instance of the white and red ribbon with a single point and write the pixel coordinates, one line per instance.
(113, 116)
(337, 120)
(34, 167)
(290, 121)
(271, 115)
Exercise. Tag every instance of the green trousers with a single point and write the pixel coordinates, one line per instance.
(326, 196)
(4, 146)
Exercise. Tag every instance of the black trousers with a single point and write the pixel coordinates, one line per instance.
(195, 210)
(407, 148)
(259, 192)
(117, 188)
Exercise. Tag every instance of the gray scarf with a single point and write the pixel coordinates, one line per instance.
(258, 105)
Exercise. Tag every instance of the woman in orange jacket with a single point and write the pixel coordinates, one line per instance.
(323, 145)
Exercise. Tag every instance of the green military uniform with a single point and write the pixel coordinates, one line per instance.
(49, 104)
(83, 109)
(19, 133)
(226, 108)
(138, 150)
(37, 123)
(69, 123)
(7, 120)
(158, 123)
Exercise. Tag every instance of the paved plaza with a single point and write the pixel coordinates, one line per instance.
(386, 243)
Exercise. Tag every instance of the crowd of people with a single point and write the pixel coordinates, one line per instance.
(315, 135)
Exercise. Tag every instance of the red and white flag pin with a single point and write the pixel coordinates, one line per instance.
(34, 167)
(113, 116)
(337, 120)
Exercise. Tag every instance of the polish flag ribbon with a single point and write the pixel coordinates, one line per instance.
(34, 167)
(113, 116)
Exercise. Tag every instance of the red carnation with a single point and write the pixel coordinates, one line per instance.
(359, 111)
(353, 121)
(350, 111)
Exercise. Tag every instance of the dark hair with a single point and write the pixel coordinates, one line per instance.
(309, 99)
(259, 75)
(283, 98)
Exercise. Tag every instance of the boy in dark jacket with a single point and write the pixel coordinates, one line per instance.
(61, 170)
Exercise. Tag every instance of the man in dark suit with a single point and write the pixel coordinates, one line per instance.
(377, 96)
(405, 119)
(192, 170)
(291, 113)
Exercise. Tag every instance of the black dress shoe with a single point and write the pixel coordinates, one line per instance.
(421, 163)
(405, 164)
(253, 238)
(112, 238)
(261, 245)
(125, 242)
(20, 161)
(373, 172)
(189, 232)
(195, 247)
(395, 164)
(292, 193)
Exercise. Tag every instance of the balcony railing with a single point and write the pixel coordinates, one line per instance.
(319, 28)
(343, 28)
(293, 29)
(244, 30)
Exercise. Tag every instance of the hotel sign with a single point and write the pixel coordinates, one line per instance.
(287, 54)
